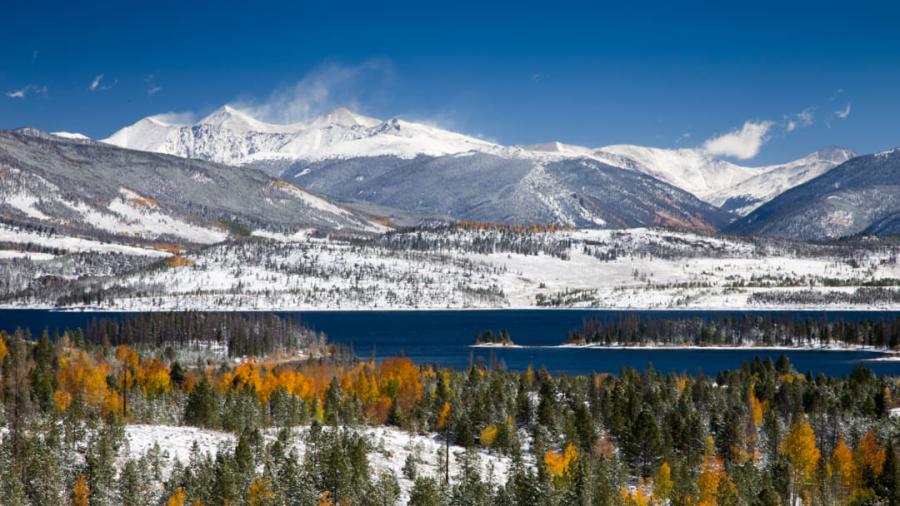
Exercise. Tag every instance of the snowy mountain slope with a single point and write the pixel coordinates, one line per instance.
(774, 180)
(451, 267)
(492, 188)
(689, 169)
(234, 137)
(341, 137)
(94, 188)
(861, 195)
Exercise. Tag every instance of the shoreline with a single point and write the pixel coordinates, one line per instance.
(757, 309)
(497, 345)
(687, 347)
(888, 354)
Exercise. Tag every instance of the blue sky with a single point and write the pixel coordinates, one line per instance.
(777, 80)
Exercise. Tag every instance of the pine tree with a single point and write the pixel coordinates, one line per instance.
(201, 409)
(425, 492)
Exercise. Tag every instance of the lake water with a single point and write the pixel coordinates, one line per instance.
(444, 338)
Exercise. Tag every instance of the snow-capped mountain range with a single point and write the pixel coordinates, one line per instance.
(75, 186)
(235, 137)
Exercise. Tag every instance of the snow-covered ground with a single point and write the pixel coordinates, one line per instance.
(623, 269)
(13, 234)
(390, 449)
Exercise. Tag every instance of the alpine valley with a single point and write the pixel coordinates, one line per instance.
(347, 211)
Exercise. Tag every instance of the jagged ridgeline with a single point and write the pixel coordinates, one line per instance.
(744, 330)
(240, 334)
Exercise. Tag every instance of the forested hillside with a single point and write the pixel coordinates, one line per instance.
(88, 422)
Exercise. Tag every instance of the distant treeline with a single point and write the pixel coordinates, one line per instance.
(530, 240)
(489, 337)
(242, 334)
(861, 296)
(737, 331)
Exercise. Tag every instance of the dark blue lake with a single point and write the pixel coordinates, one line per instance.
(444, 338)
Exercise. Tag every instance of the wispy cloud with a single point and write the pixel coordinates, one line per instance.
(96, 84)
(34, 55)
(177, 118)
(152, 87)
(324, 88)
(843, 113)
(800, 120)
(743, 143)
(28, 91)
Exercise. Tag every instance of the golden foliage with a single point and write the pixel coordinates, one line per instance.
(80, 376)
(681, 383)
(757, 408)
(488, 435)
(177, 499)
(260, 492)
(442, 417)
(558, 464)
(325, 500)
(709, 479)
(870, 455)
(842, 463)
(663, 484)
(800, 447)
(4, 351)
(168, 247)
(62, 400)
(81, 492)
(636, 498)
(176, 261)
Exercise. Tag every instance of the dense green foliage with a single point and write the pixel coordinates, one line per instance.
(760, 434)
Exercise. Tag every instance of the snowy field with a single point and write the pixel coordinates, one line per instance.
(390, 447)
(459, 269)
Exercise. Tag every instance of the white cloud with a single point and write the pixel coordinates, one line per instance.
(153, 90)
(741, 144)
(802, 119)
(28, 90)
(327, 87)
(96, 83)
(843, 113)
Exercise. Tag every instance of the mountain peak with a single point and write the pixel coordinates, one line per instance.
(835, 154)
(343, 117)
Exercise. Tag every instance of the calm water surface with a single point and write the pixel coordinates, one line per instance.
(443, 337)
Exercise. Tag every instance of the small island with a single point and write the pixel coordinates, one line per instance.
(488, 339)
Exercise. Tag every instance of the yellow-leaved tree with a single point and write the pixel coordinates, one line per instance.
(710, 475)
(799, 446)
(442, 418)
(663, 484)
(842, 465)
(870, 456)
(260, 493)
(557, 464)
(488, 435)
(177, 499)
(81, 492)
